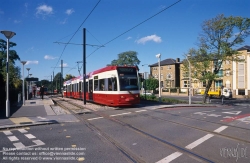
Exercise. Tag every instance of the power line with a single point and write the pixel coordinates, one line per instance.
(136, 26)
(77, 30)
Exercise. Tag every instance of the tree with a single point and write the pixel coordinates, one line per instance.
(128, 58)
(151, 83)
(217, 42)
(13, 56)
(68, 77)
(56, 81)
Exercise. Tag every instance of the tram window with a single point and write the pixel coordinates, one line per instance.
(80, 86)
(87, 86)
(109, 84)
(101, 84)
(96, 88)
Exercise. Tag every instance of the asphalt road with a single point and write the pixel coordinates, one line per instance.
(139, 134)
(199, 99)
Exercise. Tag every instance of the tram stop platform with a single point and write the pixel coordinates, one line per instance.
(34, 112)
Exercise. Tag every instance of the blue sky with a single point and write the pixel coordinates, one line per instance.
(40, 23)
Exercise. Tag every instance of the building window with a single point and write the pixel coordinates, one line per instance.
(218, 84)
(161, 68)
(169, 67)
(227, 73)
(241, 92)
(220, 73)
(204, 84)
(186, 83)
(169, 76)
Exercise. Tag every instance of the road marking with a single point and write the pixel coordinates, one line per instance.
(30, 136)
(235, 118)
(170, 157)
(19, 145)
(22, 130)
(218, 130)
(41, 117)
(199, 141)
(119, 114)
(38, 142)
(7, 133)
(233, 112)
(140, 111)
(94, 118)
(13, 138)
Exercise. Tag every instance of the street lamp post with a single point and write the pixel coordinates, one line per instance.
(189, 76)
(27, 84)
(23, 62)
(159, 63)
(144, 77)
(8, 35)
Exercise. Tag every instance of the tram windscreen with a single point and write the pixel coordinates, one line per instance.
(128, 78)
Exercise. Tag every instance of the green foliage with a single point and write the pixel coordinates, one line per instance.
(151, 83)
(68, 77)
(56, 81)
(128, 58)
(219, 37)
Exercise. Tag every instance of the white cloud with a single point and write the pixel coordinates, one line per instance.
(31, 62)
(64, 65)
(44, 10)
(154, 38)
(64, 21)
(129, 38)
(48, 57)
(69, 11)
(17, 21)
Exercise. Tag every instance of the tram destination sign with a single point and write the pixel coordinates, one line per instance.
(31, 79)
(126, 70)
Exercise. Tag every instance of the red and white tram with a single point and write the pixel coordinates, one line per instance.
(111, 85)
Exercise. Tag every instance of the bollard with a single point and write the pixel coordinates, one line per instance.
(19, 98)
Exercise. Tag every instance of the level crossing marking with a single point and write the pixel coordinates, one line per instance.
(41, 117)
(13, 138)
(94, 118)
(199, 141)
(19, 145)
(170, 157)
(140, 111)
(119, 114)
(22, 130)
(38, 142)
(7, 133)
(218, 130)
(30, 136)
(233, 112)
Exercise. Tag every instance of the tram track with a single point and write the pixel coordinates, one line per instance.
(129, 154)
(125, 150)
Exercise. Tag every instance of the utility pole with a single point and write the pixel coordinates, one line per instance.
(84, 65)
(61, 76)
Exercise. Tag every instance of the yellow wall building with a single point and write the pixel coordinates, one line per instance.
(233, 75)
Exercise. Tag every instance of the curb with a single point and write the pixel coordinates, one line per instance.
(25, 125)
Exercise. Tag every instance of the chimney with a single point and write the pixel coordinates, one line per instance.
(177, 60)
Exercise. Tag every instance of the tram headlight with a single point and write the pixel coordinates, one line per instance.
(122, 96)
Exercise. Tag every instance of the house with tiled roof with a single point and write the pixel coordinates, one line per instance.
(233, 75)
(170, 72)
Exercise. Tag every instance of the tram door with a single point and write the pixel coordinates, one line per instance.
(91, 89)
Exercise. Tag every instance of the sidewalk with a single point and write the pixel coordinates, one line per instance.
(35, 112)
